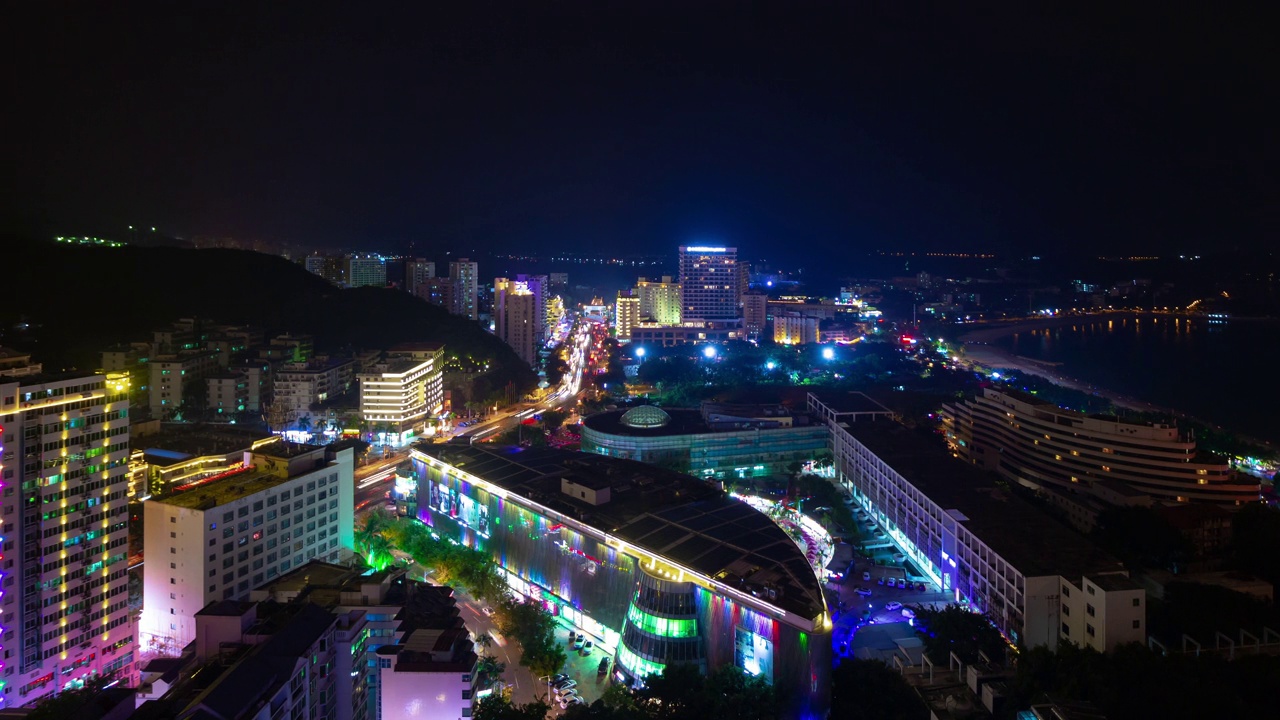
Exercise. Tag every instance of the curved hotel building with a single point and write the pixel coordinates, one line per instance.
(1043, 446)
(656, 566)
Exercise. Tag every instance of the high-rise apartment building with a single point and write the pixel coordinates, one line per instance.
(626, 315)
(437, 291)
(64, 459)
(416, 274)
(1040, 445)
(710, 283)
(366, 270)
(331, 268)
(466, 291)
(540, 286)
(659, 300)
(755, 313)
(516, 313)
(286, 505)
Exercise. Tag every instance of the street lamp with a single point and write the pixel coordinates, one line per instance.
(639, 352)
(770, 365)
(709, 352)
(828, 353)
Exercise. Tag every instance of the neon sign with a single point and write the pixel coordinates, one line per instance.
(703, 248)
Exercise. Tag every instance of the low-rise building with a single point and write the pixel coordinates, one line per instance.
(172, 375)
(287, 505)
(1038, 581)
(180, 455)
(431, 673)
(401, 397)
(794, 329)
(687, 333)
(298, 386)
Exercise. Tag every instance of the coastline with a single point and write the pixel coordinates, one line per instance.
(979, 350)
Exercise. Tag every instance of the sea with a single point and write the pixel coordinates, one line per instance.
(1221, 371)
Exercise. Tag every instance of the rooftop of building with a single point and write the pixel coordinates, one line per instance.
(413, 347)
(1026, 537)
(850, 402)
(653, 421)
(225, 608)
(1114, 582)
(247, 482)
(672, 515)
(328, 585)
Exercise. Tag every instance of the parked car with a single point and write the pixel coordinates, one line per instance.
(866, 575)
(603, 667)
(880, 581)
(894, 605)
(921, 587)
(586, 648)
(578, 644)
(557, 678)
(902, 583)
(864, 592)
(908, 613)
(566, 685)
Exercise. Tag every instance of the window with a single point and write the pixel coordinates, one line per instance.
(1066, 630)
(1137, 602)
(1066, 610)
(1089, 609)
(172, 519)
(1088, 589)
(1089, 630)
(228, 517)
(1137, 624)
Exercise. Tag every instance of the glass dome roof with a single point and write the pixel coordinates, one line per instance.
(645, 416)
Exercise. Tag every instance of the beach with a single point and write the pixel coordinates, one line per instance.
(980, 352)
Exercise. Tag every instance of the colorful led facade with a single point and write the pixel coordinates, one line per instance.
(655, 566)
(65, 470)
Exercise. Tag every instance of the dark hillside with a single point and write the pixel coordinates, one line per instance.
(80, 300)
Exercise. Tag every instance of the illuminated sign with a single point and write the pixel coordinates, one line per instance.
(703, 248)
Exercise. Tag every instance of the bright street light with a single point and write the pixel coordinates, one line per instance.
(770, 365)
(709, 351)
(639, 352)
(828, 353)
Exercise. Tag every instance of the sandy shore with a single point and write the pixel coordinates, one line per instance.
(979, 352)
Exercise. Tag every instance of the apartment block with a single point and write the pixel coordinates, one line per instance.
(711, 283)
(298, 386)
(993, 551)
(287, 505)
(416, 274)
(794, 329)
(465, 275)
(64, 586)
(172, 375)
(366, 270)
(626, 314)
(516, 312)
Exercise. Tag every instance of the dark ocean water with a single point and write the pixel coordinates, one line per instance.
(1225, 373)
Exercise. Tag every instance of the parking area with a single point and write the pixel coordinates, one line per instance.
(582, 666)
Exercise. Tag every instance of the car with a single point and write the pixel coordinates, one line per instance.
(894, 605)
(577, 700)
(557, 678)
(603, 668)
(578, 644)
(908, 613)
(566, 694)
(921, 587)
(880, 581)
(565, 685)
(866, 575)
(586, 648)
(902, 583)
(488, 611)
(864, 592)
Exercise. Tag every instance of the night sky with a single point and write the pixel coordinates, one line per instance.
(550, 126)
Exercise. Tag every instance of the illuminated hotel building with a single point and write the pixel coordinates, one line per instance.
(1039, 582)
(401, 395)
(659, 300)
(286, 505)
(626, 315)
(656, 567)
(64, 444)
(518, 316)
(710, 283)
(1040, 445)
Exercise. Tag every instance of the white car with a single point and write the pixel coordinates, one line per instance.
(895, 605)
(908, 613)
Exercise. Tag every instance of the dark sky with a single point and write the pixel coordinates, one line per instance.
(641, 125)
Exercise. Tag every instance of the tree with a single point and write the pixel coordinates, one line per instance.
(871, 690)
(489, 666)
(955, 629)
(497, 707)
(553, 419)
(69, 703)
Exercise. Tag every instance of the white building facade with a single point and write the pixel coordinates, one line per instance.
(220, 540)
(402, 395)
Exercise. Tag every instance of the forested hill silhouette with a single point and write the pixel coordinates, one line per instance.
(79, 300)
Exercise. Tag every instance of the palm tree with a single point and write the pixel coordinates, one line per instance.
(304, 423)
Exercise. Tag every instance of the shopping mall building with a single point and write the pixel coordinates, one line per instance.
(657, 567)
